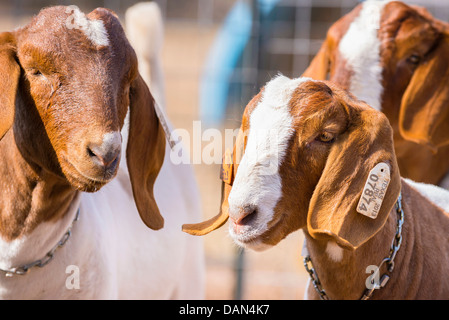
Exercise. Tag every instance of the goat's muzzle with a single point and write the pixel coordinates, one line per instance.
(94, 161)
(103, 155)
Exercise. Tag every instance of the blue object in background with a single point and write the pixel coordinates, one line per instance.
(223, 58)
(265, 6)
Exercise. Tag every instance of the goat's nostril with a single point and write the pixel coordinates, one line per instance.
(90, 153)
(103, 157)
(246, 216)
(106, 152)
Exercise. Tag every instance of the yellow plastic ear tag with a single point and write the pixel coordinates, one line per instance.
(374, 191)
(227, 168)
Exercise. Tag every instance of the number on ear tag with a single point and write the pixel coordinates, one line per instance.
(374, 191)
(227, 168)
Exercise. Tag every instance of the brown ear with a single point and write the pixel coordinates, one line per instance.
(203, 228)
(332, 209)
(145, 152)
(424, 113)
(9, 79)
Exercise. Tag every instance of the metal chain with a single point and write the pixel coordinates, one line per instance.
(314, 277)
(389, 261)
(22, 270)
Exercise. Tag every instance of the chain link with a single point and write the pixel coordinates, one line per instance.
(315, 281)
(22, 270)
(389, 261)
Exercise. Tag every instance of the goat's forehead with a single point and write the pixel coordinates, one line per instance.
(275, 99)
(270, 123)
(70, 20)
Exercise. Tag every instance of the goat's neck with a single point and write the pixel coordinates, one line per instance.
(342, 272)
(29, 193)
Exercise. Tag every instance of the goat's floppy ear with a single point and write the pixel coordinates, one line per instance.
(332, 209)
(424, 113)
(203, 228)
(229, 169)
(145, 152)
(9, 80)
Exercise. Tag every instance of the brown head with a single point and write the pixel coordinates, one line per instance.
(67, 82)
(394, 57)
(308, 151)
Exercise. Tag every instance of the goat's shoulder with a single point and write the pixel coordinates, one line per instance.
(436, 195)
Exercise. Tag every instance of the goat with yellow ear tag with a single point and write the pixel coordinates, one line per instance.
(336, 179)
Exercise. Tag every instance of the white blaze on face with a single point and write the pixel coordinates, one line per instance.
(360, 47)
(258, 183)
(93, 29)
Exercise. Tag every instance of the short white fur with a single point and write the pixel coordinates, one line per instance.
(34, 246)
(93, 29)
(360, 47)
(258, 182)
(438, 196)
(334, 251)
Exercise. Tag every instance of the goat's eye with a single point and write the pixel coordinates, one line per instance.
(414, 59)
(35, 72)
(326, 137)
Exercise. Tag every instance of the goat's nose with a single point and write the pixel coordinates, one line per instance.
(244, 215)
(107, 152)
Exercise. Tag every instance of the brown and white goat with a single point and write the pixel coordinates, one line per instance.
(309, 148)
(394, 57)
(67, 80)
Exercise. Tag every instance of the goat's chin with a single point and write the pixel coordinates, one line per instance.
(260, 238)
(249, 237)
(91, 186)
(81, 181)
(254, 244)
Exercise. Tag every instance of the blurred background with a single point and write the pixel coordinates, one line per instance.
(216, 56)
